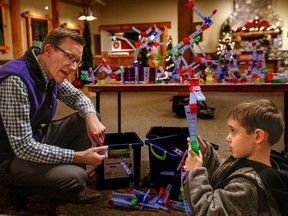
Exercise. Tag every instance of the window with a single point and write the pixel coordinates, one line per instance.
(37, 28)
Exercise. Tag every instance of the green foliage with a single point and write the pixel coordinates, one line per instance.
(87, 57)
(169, 62)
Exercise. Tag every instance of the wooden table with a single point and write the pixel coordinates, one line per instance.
(175, 87)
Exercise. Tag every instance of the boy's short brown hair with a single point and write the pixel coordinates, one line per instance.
(260, 114)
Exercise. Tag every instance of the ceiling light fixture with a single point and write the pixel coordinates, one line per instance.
(87, 15)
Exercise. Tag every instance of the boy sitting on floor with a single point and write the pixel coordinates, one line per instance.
(236, 186)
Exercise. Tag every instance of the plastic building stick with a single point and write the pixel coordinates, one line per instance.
(177, 205)
(95, 144)
(142, 204)
(178, 151)
(191, 119)
(123, 203)
(167, 193)
(186, 206)
(123, 195)
(126, 168)
(183, 158)
(168, 173)
(191, 113)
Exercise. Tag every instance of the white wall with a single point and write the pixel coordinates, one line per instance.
(138, 11)
(36, 8)
(211, 35)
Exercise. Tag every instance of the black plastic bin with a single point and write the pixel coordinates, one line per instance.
(158, 131)
(164, 159)
(122, 147)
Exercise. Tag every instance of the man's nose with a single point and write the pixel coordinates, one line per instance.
(73, 65)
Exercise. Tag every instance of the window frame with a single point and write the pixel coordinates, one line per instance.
(29, 27)
(4, 47)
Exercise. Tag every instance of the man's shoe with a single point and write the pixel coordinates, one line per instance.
(87, 196)
(41, 204)
(8, 201)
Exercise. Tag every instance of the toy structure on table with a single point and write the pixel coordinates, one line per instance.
(90, 75)
(224, 69)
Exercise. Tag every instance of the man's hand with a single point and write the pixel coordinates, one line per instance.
(95, 129)
(90, 156)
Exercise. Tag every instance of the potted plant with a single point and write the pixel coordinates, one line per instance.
(87, 58)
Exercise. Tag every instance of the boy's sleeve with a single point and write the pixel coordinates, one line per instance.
(239, 197)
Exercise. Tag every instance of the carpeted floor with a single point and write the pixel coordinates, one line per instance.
(140, 112)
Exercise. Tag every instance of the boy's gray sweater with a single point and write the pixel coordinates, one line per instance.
(238, 197)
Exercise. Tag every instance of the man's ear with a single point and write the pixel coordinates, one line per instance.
(48, 49)
(260, 135)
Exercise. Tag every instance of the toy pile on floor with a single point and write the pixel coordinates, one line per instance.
(137, 199)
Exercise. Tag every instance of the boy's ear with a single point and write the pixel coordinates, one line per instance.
(260, 135)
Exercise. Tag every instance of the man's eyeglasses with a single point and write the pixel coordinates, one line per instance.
(70, 57)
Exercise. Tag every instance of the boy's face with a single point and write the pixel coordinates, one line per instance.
(240, 143)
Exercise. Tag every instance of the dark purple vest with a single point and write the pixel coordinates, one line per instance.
(43, 101)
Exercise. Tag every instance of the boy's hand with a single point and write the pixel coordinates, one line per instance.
(193, 161)
(202, 144)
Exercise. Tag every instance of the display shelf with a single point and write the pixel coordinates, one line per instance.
(255, 34)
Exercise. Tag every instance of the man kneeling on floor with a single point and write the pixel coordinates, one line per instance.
(38, 155)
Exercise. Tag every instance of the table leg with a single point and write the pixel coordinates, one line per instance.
(98, 102)
(286, 121)
(119, 112)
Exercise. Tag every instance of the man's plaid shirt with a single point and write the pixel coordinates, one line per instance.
(15, 108)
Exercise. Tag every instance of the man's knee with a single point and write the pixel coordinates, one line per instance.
(72, 178)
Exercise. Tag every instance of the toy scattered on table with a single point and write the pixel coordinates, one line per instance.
(182, 68)
(147, 39)
(88, 76)
(163, 75)
(256, 64)
(102, 73)
(224, 69)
